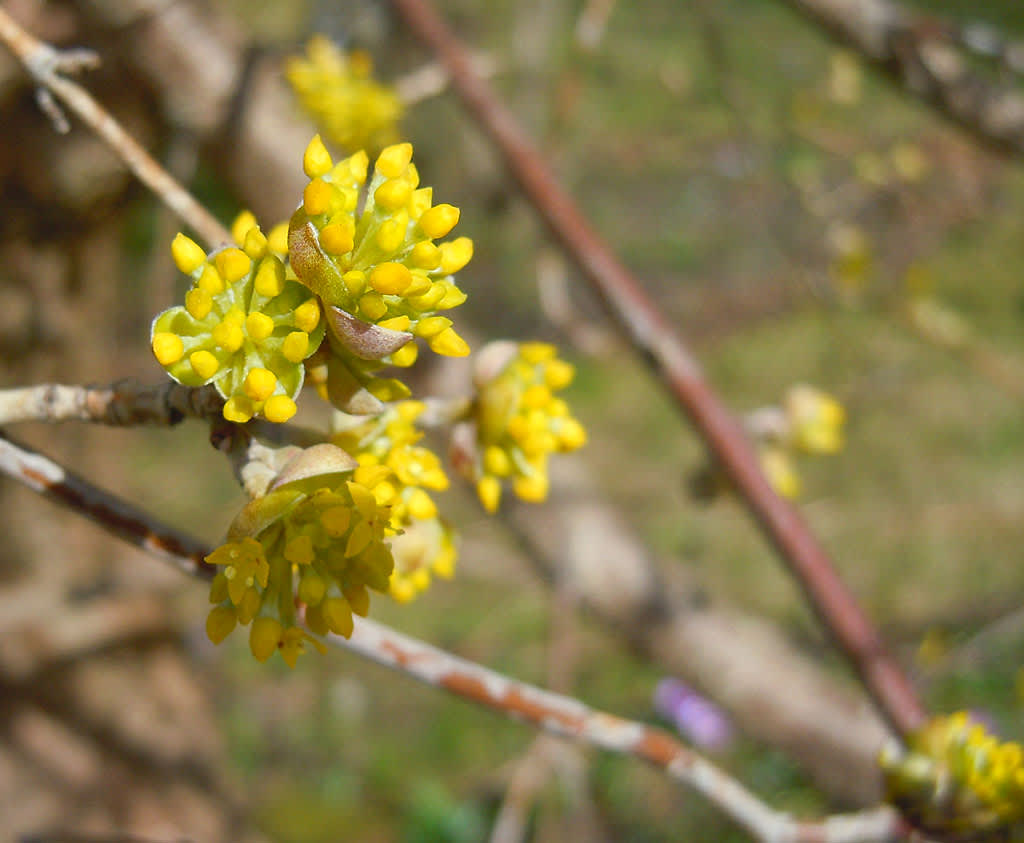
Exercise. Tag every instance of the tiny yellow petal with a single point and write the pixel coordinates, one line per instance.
(439, 220)
(449, 344)
(204, 364)
(188, 255)
(279, 408)
(316, 160)
(167, 348)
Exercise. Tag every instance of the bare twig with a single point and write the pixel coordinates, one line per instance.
(46, 66)
(916, 52)
(655, 339)
(554, 713)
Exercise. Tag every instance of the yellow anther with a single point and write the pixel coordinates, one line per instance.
(488, 489)
(228, 335)
(396, 323)
(316, 198)
(238, 409)
(260, 384)
(264, 637)
(431, 326)
(204, 364)
(210, 281)
(429, 300)
(220, 622)
(198, 303)
(258, 326)
(393, 160)
(233, 264)
(372, 306)
(295, 346)
(425, 255)
(392, 194)
(279, 409)
(188, 255)
(558, 374)
(269, 279)
(355, 282)
(307, 316)
(449, 344)
(255, 243)
(277, 238)
(406, 355)
(455, 254)
(240, 227)
(316, 160)
(390, 235)
(439, 220)
(497, 461)
(336, 520)
(336, 238)
(167, 348)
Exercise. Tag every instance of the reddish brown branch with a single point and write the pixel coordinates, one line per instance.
(654, 338)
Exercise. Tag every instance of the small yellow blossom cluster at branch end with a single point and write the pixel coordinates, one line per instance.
(957, 778)
(423, 544)
(317, 541)
(338, 90)
(244, 327)
(518, 421)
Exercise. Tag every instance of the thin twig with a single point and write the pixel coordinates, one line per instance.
(653, 336)
(554, 713)
(46, 66)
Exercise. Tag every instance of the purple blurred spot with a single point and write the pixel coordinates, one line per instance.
(702, 722)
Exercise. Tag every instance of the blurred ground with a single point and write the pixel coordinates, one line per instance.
(788, 209)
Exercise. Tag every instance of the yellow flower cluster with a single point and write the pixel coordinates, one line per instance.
(339, 92)
(381, 264)
(815, 419)
(244, 327)
(958, 778)
(519, 422)
(423, 544)
(318, 541)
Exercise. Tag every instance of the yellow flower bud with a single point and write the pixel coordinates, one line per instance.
(198, 303)
(220, 622)
(390, 278)
(279, 408)
(392, 194)
(264, 637)
(232, 264)
(260, 384)
(258, 326)
(316, 198)
(238, 409)
(167, 348)
(240, 227)
(228, 335)
(338, 615)
(255, 244)
(336, 238)
(316, 161)
(455, 254)
(307, 316)
(204, 364)
(488, 489)
(449, 343)
(188, 255)
(439, 220)
(295, 346)
(393, 160)
(210, 281)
